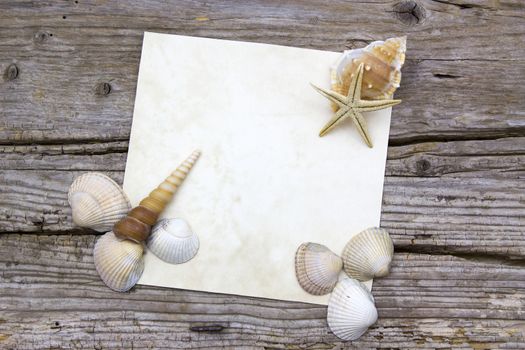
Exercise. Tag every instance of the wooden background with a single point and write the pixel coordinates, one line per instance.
(454, 198)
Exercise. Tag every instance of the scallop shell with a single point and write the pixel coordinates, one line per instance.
(351, 309)
(97, 202)
(317, 268)
(382, 60)
(368, 254)
(173, 241)
(118, 262)
(136, 226)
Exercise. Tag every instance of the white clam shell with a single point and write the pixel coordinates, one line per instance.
(317, 268)
(368, 254)
(173, 241)
(97, 202)
(119, 263)
(351, 309)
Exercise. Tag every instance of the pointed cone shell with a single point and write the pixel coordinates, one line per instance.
(136, 226)
(317, 268)
(97, 202)
(351, 309)
(119, 263)
(368, 254)
(173, 241)
(382, 64)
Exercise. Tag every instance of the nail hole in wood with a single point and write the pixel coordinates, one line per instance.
(64, 17)
(206, 328)
(445, 76)
(103, 89)
(409, 12)
(11, 73)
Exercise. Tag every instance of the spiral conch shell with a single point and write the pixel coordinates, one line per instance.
(119, 263)
(368, 254)
(173, 241)
(317, 268)
(351, 309)
(136, 226)
(97, 201)
(382, 64)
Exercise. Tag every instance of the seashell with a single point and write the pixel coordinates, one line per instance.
(173, 241)
(382, 62)
(317, 268)
(118, 262)
(351, 309)
(97, 202)
(368, 254)
(136, 226)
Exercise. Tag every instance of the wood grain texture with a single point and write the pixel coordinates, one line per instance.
(52, 297)
(454, 196)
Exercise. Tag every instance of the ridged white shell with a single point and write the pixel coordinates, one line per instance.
(119, 263)
(97, 202)
(173, 241)
(317, 268)
(368, 254)
(351, 309)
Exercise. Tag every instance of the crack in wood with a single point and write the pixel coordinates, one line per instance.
(488, 258)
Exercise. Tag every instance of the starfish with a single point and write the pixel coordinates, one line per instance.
(351, 106)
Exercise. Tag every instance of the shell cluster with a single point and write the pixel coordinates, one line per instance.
(98, 202)
(173, 241)
(382, 63)
(351, 308)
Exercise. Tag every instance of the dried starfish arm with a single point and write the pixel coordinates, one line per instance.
(362, 128)
(333, 96)
(336, 119)
(374, 105)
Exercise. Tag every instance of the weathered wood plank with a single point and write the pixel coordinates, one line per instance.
(100, 44)
(447, 214)
(461, 197)
(52, 297)
(500, 158)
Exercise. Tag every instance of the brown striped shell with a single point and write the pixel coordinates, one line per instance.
(382, 62)
(317, 268)
(136, 226)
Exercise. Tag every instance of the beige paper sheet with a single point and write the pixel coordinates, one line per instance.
(266, 182)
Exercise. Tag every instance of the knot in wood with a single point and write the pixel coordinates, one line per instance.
(11, 73)
(352, 44)
(409, 12)
(422, 166)
(40, 36)
(103, 89)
